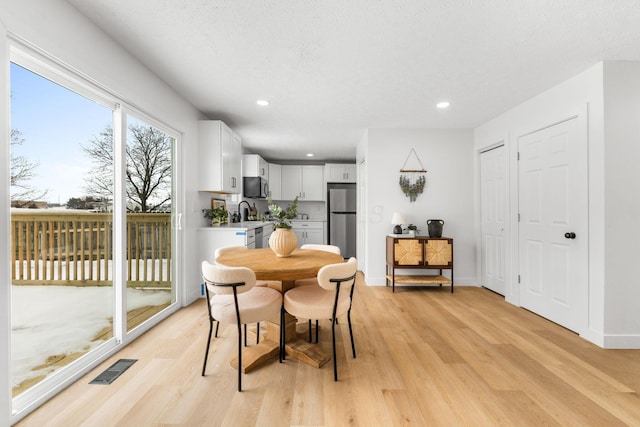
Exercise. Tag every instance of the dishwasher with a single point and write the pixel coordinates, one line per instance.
(259, 237)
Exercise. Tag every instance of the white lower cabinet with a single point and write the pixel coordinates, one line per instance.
(309, 232)
(212, 238)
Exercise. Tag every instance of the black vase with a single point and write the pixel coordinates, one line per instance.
(435, 227)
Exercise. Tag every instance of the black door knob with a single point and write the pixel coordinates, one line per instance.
(571, 235)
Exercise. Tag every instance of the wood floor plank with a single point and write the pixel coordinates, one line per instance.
(402, 411)
(424, 357)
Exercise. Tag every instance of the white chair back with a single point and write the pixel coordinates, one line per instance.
(341, 270)
(326, 248)
(221, 251)
(215, 275)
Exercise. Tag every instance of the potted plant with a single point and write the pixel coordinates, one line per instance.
(283, 239)
(217, 216)
(281, 218)
(413, 230)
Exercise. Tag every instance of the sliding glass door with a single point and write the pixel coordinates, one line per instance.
(62, 291)
(92, 236)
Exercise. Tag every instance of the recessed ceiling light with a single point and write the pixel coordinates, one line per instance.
(262, 102)
(309, 154)
(442, 105)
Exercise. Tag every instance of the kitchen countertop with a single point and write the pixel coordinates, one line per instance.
(252, 225)
(245, 225)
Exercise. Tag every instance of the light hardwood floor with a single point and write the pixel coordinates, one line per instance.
(425, 357)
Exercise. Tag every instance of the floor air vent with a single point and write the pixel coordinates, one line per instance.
(113, 371)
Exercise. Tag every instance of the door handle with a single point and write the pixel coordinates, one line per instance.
(571, 235)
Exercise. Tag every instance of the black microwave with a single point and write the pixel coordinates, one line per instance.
(255, 187)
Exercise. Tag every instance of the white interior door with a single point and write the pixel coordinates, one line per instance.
(553, 241)
(493, 189)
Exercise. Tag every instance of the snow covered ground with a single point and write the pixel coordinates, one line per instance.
(54, 320)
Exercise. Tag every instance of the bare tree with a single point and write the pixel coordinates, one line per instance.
(148, 170)
(99, 180)
(22, 171)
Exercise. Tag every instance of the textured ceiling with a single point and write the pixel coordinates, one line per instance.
(332, 69)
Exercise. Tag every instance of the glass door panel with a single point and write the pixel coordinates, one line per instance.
(149, 237)
(61, 230)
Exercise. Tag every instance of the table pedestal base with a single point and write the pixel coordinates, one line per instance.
(256, 355)
(296, 347)
(307, 352)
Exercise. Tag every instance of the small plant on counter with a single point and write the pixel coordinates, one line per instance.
(281, 218)
(217, 216)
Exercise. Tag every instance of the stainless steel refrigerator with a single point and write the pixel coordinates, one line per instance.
(342, 218)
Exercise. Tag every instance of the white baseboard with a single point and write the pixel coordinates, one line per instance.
(613, 341)
(458, 281)
(622, 342)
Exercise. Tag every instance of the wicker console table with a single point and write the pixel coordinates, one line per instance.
(419, 253)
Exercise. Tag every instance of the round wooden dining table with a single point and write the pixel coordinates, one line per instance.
(283, 271)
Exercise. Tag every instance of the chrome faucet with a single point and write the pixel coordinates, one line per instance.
(244, 215)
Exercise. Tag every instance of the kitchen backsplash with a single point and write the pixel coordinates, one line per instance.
(315, 210)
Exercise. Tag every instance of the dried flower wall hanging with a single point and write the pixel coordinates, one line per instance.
(412, 184)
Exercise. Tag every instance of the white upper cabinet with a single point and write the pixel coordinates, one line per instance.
(255, 165)
(337, 172)
(291, 182)
(275, 181)
(219, 158)
(304, 181)
(313, 182)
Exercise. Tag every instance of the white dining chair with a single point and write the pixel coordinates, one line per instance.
(259, 283)
(232, 297)
(330, 300)
(314, 280)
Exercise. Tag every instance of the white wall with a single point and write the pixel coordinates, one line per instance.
(60, 32)
(609, 95)
(622, 203)
(447, 155)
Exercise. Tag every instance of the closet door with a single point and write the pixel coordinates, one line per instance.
(493, 171)
(553, 222)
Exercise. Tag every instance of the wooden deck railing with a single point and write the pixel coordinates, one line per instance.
(76, 248)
